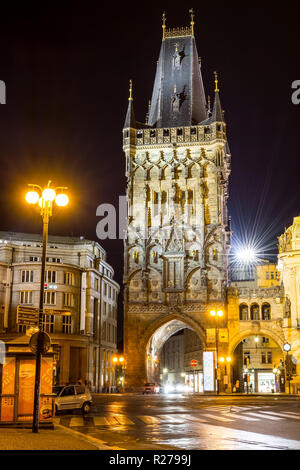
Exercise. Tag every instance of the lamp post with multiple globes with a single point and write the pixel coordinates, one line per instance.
(45, 198)
(118, 361)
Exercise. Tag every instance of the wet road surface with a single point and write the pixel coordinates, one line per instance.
(189, 422)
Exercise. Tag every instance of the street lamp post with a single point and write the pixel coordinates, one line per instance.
(44, 197)
(217, 315)
(118, 361)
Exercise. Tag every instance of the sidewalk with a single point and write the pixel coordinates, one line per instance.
(47, 439)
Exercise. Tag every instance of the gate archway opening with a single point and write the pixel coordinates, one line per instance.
(258, 365)
(169, 353)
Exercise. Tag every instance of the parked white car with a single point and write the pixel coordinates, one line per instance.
(72, 397)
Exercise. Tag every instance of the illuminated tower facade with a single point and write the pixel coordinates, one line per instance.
(178, 230)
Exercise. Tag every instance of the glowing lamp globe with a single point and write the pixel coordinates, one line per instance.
(219, 313)
(49, 194)
(32, 197)
(62, 200)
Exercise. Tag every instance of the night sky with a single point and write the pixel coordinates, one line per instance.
(67, 65)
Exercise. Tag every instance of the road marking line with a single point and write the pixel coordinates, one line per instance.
(100, 444)
(149, 419)
(246, 418)
(76, 422)
(194, 419)
(101, 421)
(170, 419)
(218, 418)
(123, 420)
(275, 418)
(283, 415)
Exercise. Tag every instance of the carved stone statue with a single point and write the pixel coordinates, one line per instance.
(287, 308)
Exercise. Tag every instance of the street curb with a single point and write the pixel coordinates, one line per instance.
(86, 437)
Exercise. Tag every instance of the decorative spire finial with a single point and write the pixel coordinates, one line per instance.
(164, 24)
(216, 82)
(130, 91)
(208, 106)
(191, 11)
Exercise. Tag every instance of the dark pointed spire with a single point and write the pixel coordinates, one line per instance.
(130, 119)
(217, 113)
(178, 59)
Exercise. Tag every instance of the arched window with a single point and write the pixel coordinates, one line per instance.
(266, 311)
(243, 312)
(254, 312)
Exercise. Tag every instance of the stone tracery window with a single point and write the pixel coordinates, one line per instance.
(244, 312)
(266, 311)
(254, 312)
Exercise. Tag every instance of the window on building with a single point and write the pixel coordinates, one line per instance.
(34, 258)
(48, 323)
(266, 311)
(243, 312)
(96, 284)
(67, 324)
(246, 358)
(26, 276)
(254, 312)
(50, 276)
(263, 358)
(105, 288)
(267, 275)
(50, 298)
(26, 297)
(269, 356)
(22, 328)
(69, 299)
(69, 279)
(265, 340)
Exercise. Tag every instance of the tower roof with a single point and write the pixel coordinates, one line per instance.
(130, 118)
(178, 97)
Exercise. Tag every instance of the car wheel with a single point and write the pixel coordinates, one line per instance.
(86, 407)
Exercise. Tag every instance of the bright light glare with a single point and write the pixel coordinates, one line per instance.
(246, 255)
(32, 197)
(62, 200)
(49, 194)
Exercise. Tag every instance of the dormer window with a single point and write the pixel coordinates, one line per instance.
(207, 130)
(166, 132)
(152, 133)
(193, 131)
(139, 134)
(179, 131)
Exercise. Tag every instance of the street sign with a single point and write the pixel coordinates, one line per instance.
(193, 363)
(45, 342)
(27, 315)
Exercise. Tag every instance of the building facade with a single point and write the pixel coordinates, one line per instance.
(80, 302)
(178, 230)
(178, 239)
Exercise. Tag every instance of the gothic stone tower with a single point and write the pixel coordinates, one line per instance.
(178, 233)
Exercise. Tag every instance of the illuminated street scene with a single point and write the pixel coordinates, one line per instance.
(150, 231)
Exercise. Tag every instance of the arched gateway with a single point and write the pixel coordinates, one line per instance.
(178, 235)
